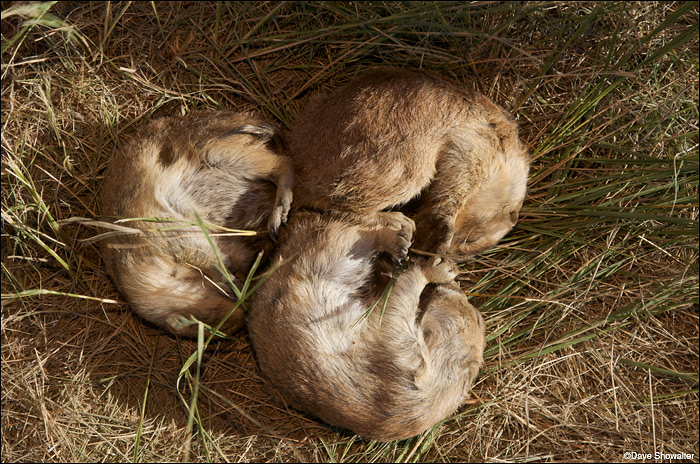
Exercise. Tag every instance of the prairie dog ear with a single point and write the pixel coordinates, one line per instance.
(470, 372)
(263, 131)
(436, 326)
(423, 376)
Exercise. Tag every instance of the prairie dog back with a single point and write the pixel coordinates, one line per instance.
(385, 375)
(216, 165)
(389, 135)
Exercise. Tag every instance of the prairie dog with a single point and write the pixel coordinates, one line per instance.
(386, 375)
(388, 135)
(218, 165)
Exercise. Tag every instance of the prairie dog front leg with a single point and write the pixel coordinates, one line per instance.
(283, 177)
(439, 271)
(404, 299)
(259, 162)
(395, 234)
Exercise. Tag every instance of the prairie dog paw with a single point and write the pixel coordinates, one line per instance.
(396, 220)
(439, 270)
(280, 213)
(397, 234)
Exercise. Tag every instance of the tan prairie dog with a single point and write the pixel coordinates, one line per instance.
(388, 135)
(218, 165)
(386, 374)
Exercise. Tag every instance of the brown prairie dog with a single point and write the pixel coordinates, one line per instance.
(387, 376)
(219, 165)
(388, 135)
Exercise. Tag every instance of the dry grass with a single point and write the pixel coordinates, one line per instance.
(591, 302)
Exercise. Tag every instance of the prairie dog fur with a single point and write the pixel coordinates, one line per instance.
(388, 135)
(218, 165)
(388, 375)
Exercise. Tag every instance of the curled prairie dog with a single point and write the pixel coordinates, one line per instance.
(388, 135)
(218, 165)
(386, 375)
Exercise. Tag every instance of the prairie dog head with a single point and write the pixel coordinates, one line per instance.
(454, 334)
(492, 210)
(479, 187)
